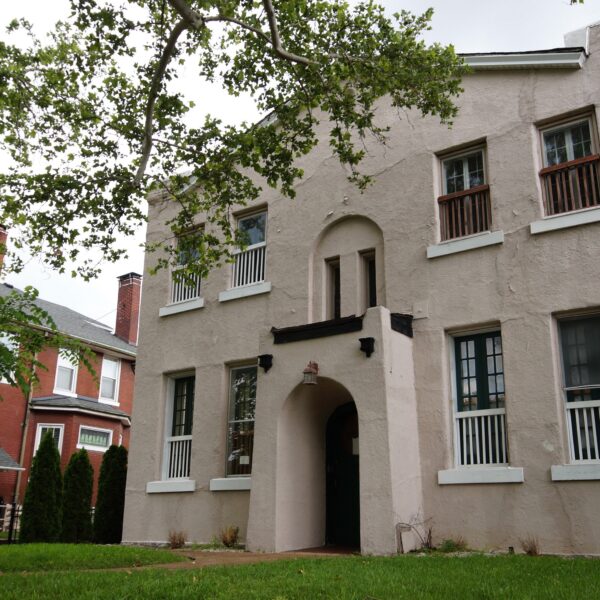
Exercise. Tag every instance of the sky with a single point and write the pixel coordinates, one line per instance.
(470, 25)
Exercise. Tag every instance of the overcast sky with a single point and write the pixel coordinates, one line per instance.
(470, 25)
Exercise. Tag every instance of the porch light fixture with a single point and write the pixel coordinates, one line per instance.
(265, 361)
(367, 345)
(310, 373)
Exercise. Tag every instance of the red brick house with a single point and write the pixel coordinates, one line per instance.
(79, 411)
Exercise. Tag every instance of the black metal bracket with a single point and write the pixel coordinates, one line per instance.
(367, 345)
(265, 361)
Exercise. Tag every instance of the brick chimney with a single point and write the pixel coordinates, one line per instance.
(128, 307)
(3, 238)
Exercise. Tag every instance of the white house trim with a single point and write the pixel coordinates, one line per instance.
(527, 60)
(479, 240)
(179, 307)
(585, 472)
(92, 447)
(228, 484)
(38, 435)
(481, 475)
(563, 221)
(242, 292)
(170, 486)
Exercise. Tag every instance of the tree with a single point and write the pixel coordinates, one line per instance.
(26, 329)
(108, 516)
(77, 499)
(42, 508)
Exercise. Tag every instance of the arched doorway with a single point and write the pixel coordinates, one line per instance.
(317, 468)
(342, 476)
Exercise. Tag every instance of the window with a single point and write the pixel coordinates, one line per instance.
(240, 431)
(92, 438)
(249, 264)
(55, 430)
(465, 204)
(178, 444)
(66, 376)
(369, 270)
(570, 177)
(480, 401)
(186, 288)
(580, 341)
(8, 345)
(109, 381)
(333, 288)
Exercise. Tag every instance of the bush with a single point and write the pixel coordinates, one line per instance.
(530, 545)
(77, 499)
(453, 545)
(42, 508)
(108, 518)
(177, 539)
(229, 536)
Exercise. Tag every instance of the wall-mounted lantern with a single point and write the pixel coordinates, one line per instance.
(310, 373)
(265, 361)
(367, 345)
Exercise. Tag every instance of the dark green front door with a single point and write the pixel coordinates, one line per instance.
(343, 504)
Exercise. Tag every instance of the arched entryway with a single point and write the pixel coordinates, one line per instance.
(317, 468)
(342, 478)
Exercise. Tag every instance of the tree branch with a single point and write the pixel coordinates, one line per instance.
(167, 54)
(247, 26)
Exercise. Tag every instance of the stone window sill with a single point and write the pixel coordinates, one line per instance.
(172, 309)
(243, 292)
(229, 484)
(170, 486)
(468, 475)
(479, 240)
(572, 219)
(587, 472)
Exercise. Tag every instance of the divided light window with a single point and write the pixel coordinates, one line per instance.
(570, 177)
(480, 410)
(183, 407)
(66, 376)
(93, 438)
(109, 380)
(240, 431)
(178, 446)
(184, 289)
(580, 340)
(369, 277)
(333, 297)
(465, 203)
(55, 430)
(249, 264)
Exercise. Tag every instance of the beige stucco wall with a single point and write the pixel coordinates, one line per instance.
(403, 392)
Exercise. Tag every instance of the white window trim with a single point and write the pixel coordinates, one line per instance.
(38, 435)
(463, 244)
(113, 401)
(179, 307)
(566, 220)
(483, 474)
(229, 484)
(464, 154)
(576, 472)
(8, 342)
(244, 291)
(170, 486)
(567, 124)
(66, 363)
(91, 447)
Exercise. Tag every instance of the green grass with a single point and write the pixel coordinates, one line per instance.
(345, 578)
(64, 557)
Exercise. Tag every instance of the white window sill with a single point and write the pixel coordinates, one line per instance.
(481, 475)
(247, 290)
(170, 486)
(572, 219)
(179, 307)
(585, 472)
(109, 402)
(479, 240)
(64, 392)
(91, 448)
(229, 484)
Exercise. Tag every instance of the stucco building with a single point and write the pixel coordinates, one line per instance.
(453, 311)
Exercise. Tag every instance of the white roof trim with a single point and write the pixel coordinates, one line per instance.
(543, 60)
(123, 419)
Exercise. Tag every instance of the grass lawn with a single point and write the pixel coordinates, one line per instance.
(344, 578)
(66, 557)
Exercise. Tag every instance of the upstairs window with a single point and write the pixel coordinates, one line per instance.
(249, 264)
(66, 376)
(242, 408)
(480, 410)
(369, 275)
(109, 380)
(7, 345)
(570, 177)
(333, 288)
(465, 204)
(184, 289)
(580, 340)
